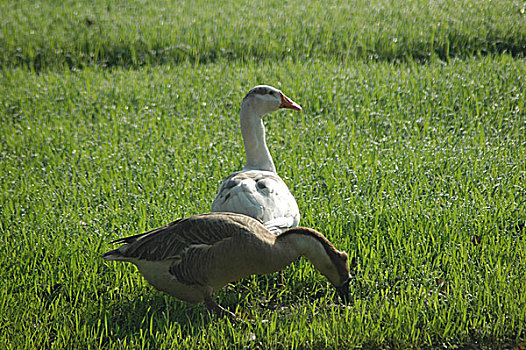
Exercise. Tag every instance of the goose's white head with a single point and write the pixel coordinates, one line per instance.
(264, 99)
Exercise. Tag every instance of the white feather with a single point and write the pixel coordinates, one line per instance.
(257, 190)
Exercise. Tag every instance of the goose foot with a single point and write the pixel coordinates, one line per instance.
(214, 308)
(281, 280)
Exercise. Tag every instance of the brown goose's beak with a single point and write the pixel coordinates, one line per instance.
(288, 103)
(343, 292)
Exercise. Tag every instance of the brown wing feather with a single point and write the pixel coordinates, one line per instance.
(172, 240)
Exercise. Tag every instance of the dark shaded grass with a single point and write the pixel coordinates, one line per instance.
(47, 34)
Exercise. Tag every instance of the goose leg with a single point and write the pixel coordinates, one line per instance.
(214, 307)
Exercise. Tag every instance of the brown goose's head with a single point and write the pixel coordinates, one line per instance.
(332, 263)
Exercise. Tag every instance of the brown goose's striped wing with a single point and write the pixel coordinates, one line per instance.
(172, 240)
(131, 239)
(208, 264)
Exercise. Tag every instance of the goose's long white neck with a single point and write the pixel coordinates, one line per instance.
(253, 131)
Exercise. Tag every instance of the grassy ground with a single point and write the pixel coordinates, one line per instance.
(42, 34)
(417, 170)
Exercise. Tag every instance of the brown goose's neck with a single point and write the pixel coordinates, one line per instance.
(308, 243)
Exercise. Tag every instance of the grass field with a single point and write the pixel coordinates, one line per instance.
(410, 155)
(41, 34)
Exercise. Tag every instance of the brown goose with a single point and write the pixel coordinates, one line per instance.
(193, 258)
(257, 190)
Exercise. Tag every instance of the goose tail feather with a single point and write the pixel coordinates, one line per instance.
(114, 254)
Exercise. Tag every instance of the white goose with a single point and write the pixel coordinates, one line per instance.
(257, 190)
(193, 258)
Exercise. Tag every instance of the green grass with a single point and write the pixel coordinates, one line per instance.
(400, 165)
(410, 155)
(50, 34)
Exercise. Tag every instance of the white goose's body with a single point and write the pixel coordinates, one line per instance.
(259, 194)
(257, 190)
(193, 258)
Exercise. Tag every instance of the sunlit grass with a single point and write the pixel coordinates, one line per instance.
(418, 171)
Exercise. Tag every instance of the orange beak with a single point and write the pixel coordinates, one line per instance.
(288, 103)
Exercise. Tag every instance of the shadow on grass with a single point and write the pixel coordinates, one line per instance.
(136, 54)
(154, 311)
